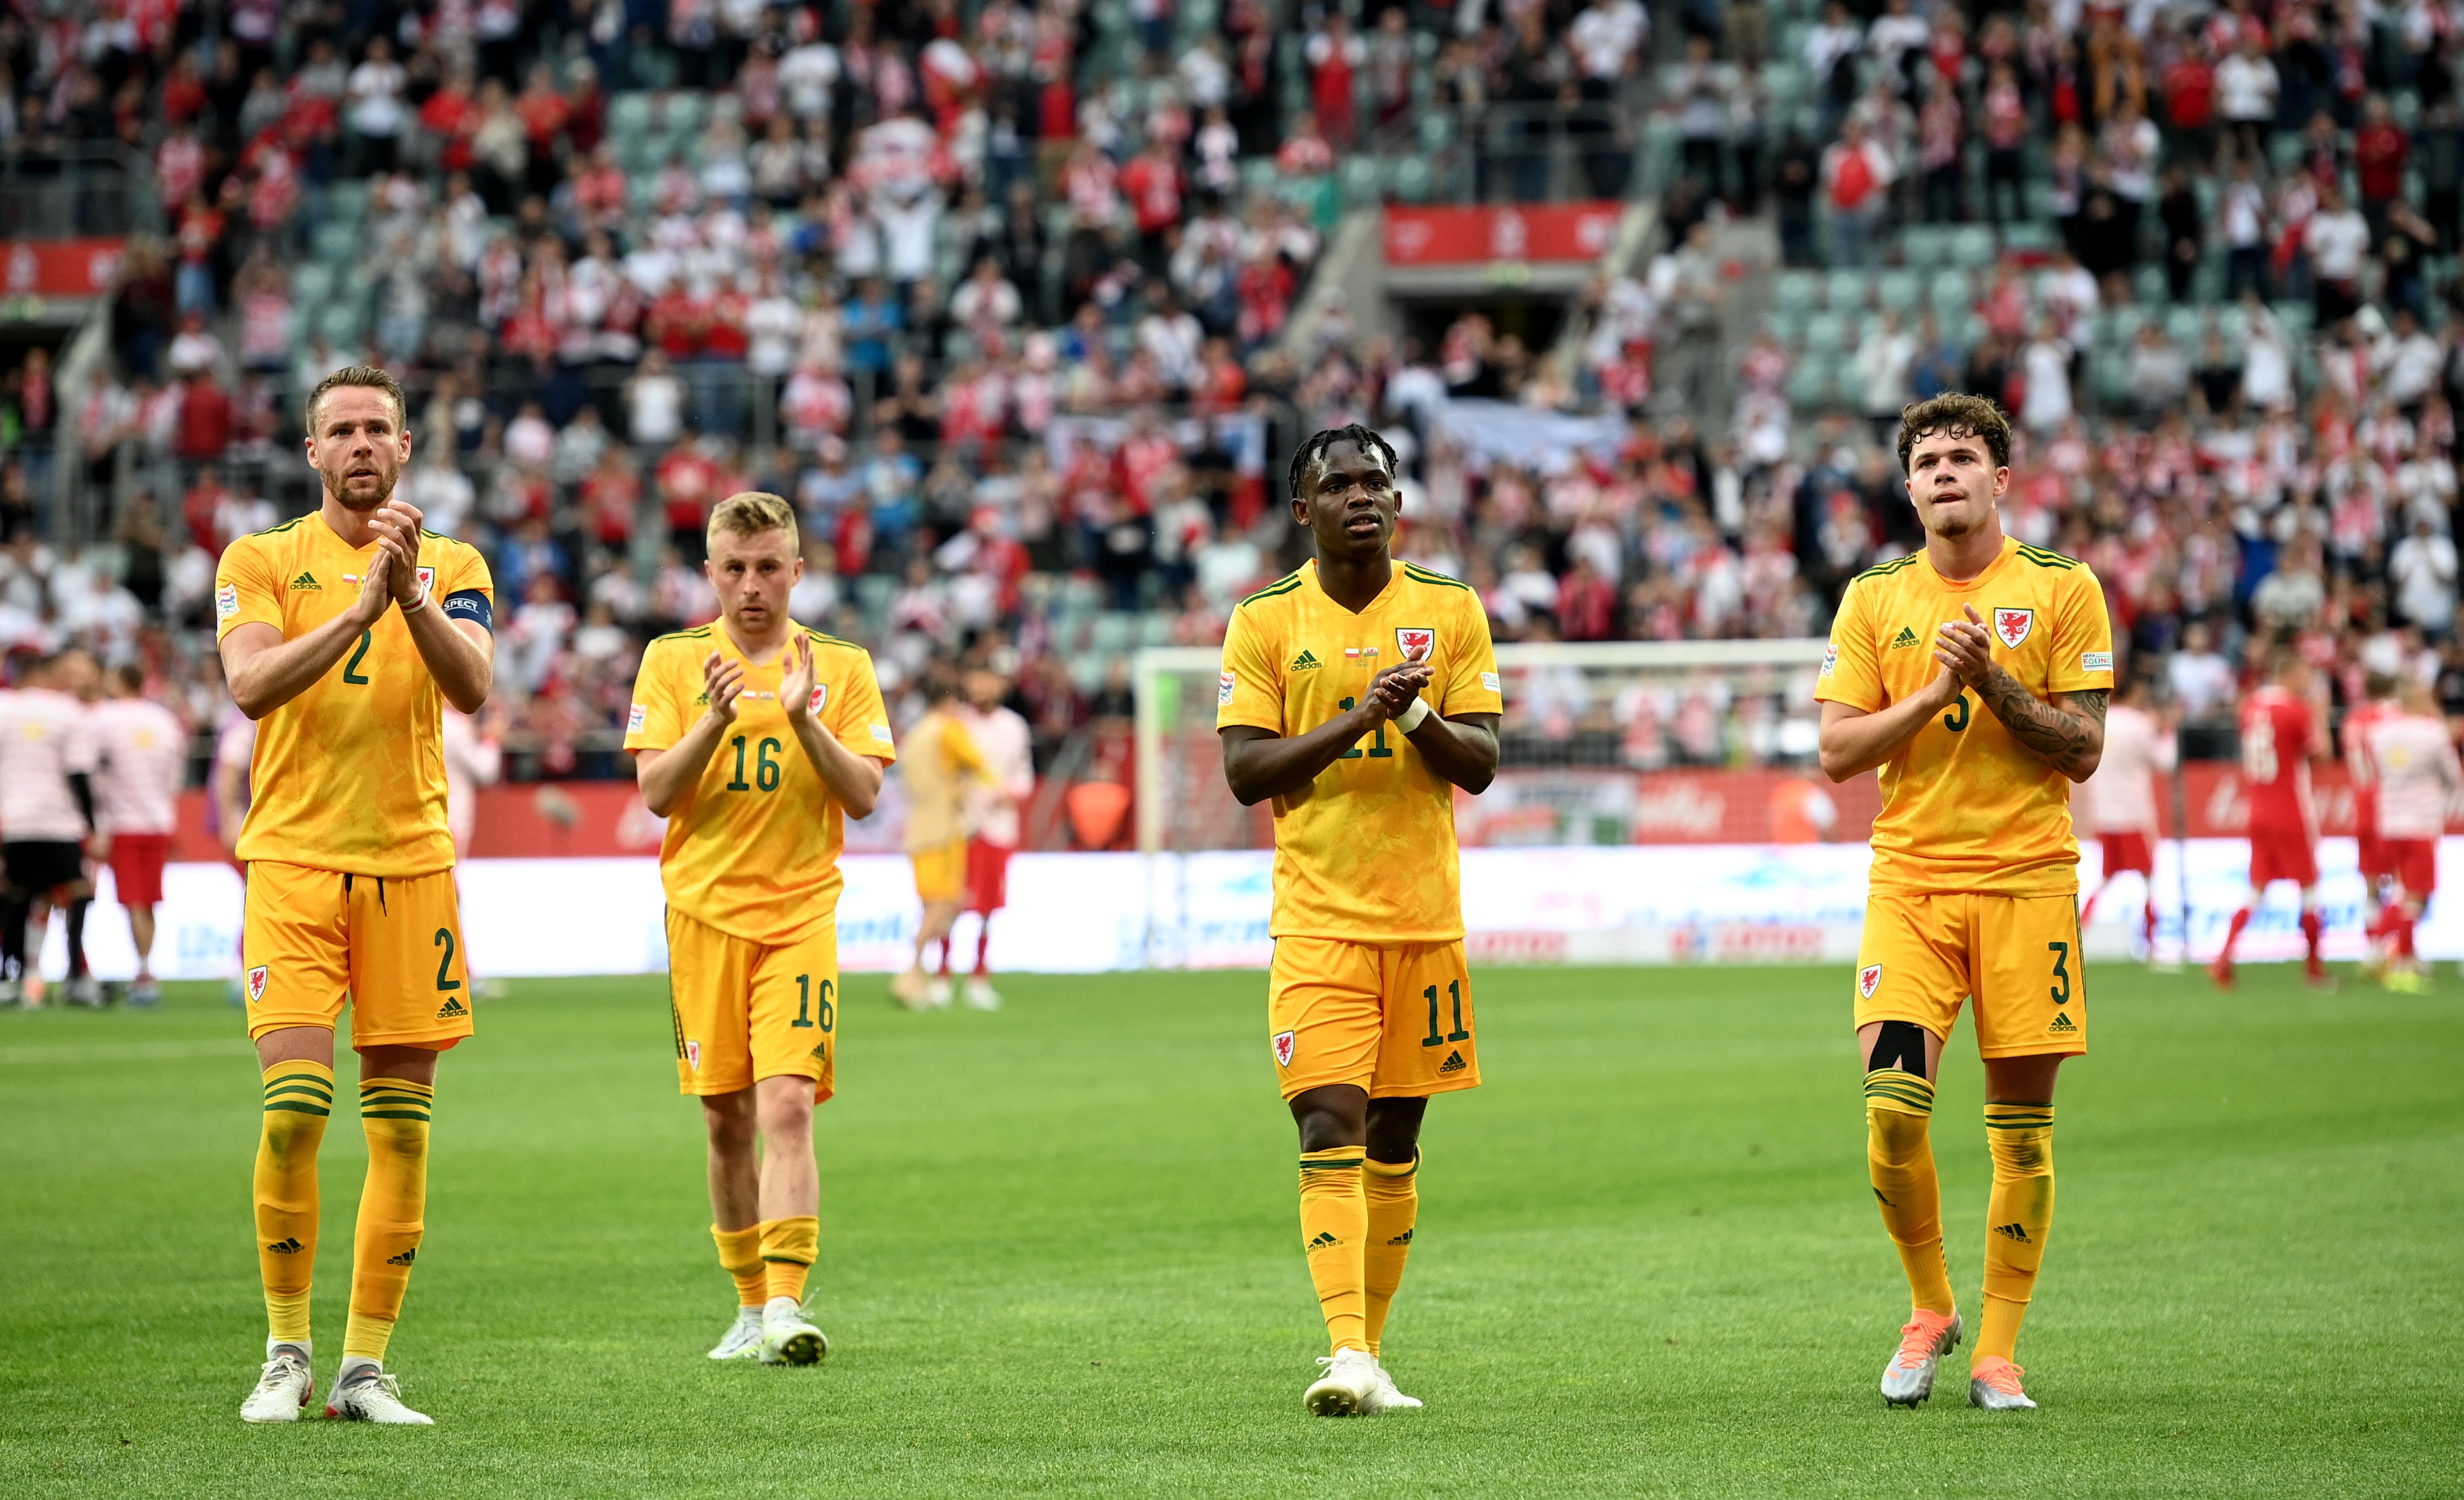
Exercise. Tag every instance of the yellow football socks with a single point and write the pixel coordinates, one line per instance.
(739, 1255)
(787, 1248)
(1335, 1226)
(1899, 1105)
(2022, 1212)
(298, 1098)
(393, 1206)
(1394, 1191)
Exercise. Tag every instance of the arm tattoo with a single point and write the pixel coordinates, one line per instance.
(2062, 735)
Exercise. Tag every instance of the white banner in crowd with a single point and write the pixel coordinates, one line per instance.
(1085, 913)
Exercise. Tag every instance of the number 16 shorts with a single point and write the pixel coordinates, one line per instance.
(2018, 955)
(1394, 1020)
(747, 1011)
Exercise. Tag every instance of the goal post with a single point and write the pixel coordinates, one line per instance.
(1583, 720)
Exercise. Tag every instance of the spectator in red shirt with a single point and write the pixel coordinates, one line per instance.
(1586, 603)
(688, 487)
(585, 120)
(199, 507)
(2190, 107)
(204, 429)
(448, 117)
(201, 234)
(725, 340)
(1153, 183)
(544, 113)
(2379, 152)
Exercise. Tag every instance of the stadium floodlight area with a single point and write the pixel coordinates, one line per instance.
(1582, 718)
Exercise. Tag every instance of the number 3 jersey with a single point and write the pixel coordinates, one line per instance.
(350, 775)
(1965, 805)
(753, 849)
(1365, 852)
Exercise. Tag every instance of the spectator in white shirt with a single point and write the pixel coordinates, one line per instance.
(1896, 34)
(2246, 90)
(2337, 239)
(2423, 570)
(376, 107)
(2202, 680)
(1606, 38)
(2409, 361)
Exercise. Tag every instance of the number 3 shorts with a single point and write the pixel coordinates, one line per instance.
(1922, 956)
(390, 944)
(1394, 1021)
(746, 1011)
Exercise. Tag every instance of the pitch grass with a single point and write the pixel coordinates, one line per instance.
(1058, 1255)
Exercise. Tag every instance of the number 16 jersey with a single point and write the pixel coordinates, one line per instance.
(753, 849)
(1365, 852)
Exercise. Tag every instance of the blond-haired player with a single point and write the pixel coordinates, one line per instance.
(757, 739)
(1356, 695)
(345, 633)
(2418, 776)
(1974, 674)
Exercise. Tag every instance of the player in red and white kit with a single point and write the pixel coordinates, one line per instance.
(2417, 776)
(2379, 685)
(993, 804)
(2281, 733)
(2139, 747)
(142, 752)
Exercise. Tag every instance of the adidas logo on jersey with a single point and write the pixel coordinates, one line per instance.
(1323, 1239)
(450, 1010)
(1305, 662)
(2012, 1232)
(2062, 1025)
(1454, 1063)
(284, 1248)
(405, 1258)
(1907, 636)
(306, 580)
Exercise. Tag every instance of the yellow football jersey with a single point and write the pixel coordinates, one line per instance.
(350, 775)
(753, 849)
(1965, 805)
(940, 749)
(1367, 851)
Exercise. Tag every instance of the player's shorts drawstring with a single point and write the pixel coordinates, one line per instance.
(381, 894)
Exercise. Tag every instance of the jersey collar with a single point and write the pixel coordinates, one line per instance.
(1394, 581)
(2009, 550)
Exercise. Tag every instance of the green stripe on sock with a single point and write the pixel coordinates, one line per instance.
(395, 1114)
(272, 1105)
(305, 1091)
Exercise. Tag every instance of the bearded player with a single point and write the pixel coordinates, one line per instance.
(1974, 674)
(2282, 733)
(1356, 694)
(757, 739)
(344, 635)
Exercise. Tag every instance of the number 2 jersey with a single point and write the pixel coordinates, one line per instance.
(1965, 805)
(350, 775)
(1365, 852)
(752, 848)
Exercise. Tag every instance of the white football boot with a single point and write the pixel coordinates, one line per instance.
(743, 1339)
(283, 1390)
(983, 996)
(1924, 1340)
(1348, 1386)
(1386, 1397)
(369, 1394)
(936, 992)
(1994, 1385)
(787, 1339)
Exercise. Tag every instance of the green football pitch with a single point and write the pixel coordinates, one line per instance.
(1059, 1255)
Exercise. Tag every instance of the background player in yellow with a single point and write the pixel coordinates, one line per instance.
(345, 633)
(757, 739)
(1357, 693)
(942, 758)
(1974, 673)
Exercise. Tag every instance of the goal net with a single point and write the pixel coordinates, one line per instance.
(1608, 743)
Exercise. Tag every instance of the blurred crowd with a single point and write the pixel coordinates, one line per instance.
(1006, 300)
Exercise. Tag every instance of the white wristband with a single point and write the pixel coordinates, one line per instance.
(1414, 717)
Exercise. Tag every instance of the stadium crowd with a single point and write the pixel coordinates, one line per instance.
(1002, 297)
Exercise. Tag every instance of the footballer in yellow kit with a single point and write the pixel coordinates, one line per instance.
(1356, 695)
(343, 633)
(757, 739)
(1974, 674)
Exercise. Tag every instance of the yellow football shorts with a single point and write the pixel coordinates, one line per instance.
(744, 1010)
(392, 946)
(2018, 955)
(1395, 1021)
(940, 874)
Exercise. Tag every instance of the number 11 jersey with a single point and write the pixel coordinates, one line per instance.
(752, 848)
(1365, 852)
